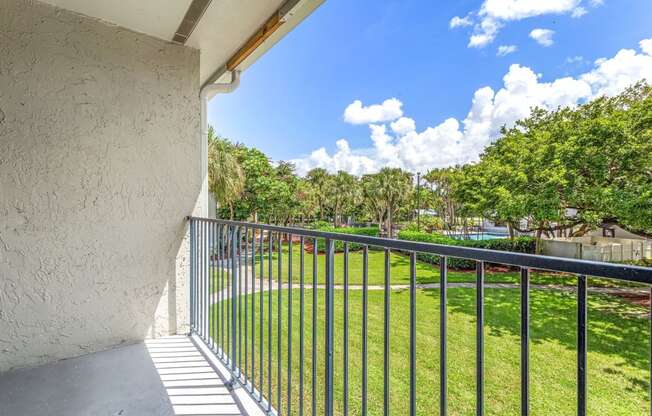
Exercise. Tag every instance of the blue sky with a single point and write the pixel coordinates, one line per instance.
(291, 103)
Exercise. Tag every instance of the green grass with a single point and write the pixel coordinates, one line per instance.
(400, 270)
(617, 364)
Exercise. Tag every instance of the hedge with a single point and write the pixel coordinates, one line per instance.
(519, 245)
(339, 245)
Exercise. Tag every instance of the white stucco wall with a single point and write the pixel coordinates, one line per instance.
(99, 164)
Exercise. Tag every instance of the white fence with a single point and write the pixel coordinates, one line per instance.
(599, 248)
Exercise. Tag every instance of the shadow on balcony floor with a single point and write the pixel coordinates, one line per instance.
(167, 376)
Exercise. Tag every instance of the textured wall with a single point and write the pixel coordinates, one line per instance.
(99, 164)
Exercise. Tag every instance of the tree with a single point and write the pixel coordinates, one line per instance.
(568, 170)
(306, 196)
(226, 178)
(259, 181)
(387, 192)
(342, 191)
(319, 178)
(442, 182)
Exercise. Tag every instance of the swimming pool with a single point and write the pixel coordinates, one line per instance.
(478, 236)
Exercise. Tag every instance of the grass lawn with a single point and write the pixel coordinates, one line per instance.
(618, 362)
(400, 270)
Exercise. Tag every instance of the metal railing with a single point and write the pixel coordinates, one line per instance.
(234, 285)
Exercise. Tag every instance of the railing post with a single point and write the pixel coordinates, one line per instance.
(191, 258)
(234, 295)
(330, 253)
(525, 342)
(581, 344)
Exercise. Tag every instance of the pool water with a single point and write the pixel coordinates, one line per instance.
(481, 236)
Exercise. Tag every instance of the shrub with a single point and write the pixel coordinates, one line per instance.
(427, 223)
(519, 245)
(339, 245)
(318, 225)
(641, 262)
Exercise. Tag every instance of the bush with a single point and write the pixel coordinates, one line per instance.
(427, 223)
(641, 262)
(519, 245)
(318, 225)
(339, 245)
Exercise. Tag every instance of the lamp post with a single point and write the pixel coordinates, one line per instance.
(418, 201)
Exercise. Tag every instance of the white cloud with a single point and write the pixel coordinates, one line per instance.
(460, 22)
(484, 33)
(646, 46)
(578, 12)
(342, 159)
(610, 76)
(506, 50)
(577, 59)
(389, 110)
(494, 14)
(403, 125)
(542, 36)
(453, 142)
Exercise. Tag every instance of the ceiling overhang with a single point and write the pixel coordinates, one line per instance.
(230, 34)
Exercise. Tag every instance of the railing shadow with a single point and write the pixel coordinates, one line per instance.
(553, 319)
(192, 385)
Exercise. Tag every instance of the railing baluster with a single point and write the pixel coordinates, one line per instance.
(345, 356)
(261, 339)
(479, 340)
(246, 304)
(207, 265)
(581, 344)
(386, 336)
(239, 297)
(211, 284)
(314, 328)
(289, 369)
(228, 297)
(234, 300)
(301, 322)
(203, 279)
(328, 333)
(253, 308)
(218, 290)
(443, 362)
(223, 323)
(525, 342)
(413, 333)
(279, 329)
(199, 276)
(365, 302)
(191, 227)
(270, 265)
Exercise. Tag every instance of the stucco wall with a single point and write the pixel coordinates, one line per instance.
(99, 164)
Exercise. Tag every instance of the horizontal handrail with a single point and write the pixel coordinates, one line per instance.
(624, 272)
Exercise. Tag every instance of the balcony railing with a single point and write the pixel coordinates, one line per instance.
(241, 284)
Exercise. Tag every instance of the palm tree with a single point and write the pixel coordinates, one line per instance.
(388, 190)
(342, 190)
(318, 178)
(226, 179)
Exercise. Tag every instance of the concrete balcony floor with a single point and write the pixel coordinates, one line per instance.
(163, 377)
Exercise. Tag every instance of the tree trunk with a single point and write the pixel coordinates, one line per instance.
(231, 212)
(537, 247)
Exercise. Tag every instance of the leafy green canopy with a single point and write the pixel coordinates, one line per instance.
(571, 167)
